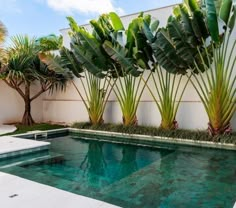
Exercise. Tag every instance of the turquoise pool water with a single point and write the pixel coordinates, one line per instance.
(135, 176)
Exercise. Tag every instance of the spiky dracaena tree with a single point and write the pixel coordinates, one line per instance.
(23, 68)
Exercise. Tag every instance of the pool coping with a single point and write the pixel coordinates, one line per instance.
(156, 139)
(14, 146)
(133, 138)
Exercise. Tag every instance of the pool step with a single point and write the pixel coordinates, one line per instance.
(47, 179)
(30, 159)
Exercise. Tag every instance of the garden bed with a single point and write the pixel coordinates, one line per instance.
(21, 129)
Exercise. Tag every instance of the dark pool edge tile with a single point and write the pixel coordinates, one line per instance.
(156, 139)
(136, 139)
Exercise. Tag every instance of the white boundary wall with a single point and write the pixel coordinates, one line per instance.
(12, 105)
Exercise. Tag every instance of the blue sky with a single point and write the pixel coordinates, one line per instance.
(43, 17)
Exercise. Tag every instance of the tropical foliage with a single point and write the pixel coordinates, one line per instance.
(86, 60)
(175, 46)
(103, 54)
(217, 87)
(184, 44)
(169, 92)
(3, 33)
(50, 42)
(166, 84)
(127, 52)
(23, 68)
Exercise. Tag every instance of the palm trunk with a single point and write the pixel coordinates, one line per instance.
(216, 131)
(130, 121)
(27, 118)
(96, 121)
(168, 125)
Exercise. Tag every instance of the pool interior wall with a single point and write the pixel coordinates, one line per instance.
(129, 175)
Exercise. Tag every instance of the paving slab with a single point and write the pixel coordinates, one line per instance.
(4, 129)
(12, 145)
(22, 193)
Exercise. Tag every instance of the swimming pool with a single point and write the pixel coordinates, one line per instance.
(135, 176)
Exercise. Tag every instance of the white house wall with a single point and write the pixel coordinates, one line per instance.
(67, 107)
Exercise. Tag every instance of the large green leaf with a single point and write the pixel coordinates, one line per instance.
(185, 24)
(131, 32)
(116, 21)
(199, 26)
(69, 61)
(232, 18)
(119, 55)
(73, 25)
(91, 46)
(225, 10)
(49, 42)
(154, 25)
(212, 20)
(165, 53)
(98, 31)
(147, 19)
(87, 62)
(142, 52)
(148, 32)
(193, 5)
(180, 39)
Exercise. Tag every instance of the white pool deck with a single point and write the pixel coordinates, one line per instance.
(4, 129)
(23, 193)
(12, 144)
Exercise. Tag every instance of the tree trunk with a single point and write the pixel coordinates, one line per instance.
(222, 130)
(27, 118)
(96, 121)
(133, 121)
(168, 125)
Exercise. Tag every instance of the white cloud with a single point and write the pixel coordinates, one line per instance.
(84, 6)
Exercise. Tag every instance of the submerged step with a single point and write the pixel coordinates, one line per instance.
(35, 158)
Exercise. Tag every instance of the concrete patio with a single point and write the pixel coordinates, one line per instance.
(13, 146)
(22, 193)
(4, 129)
